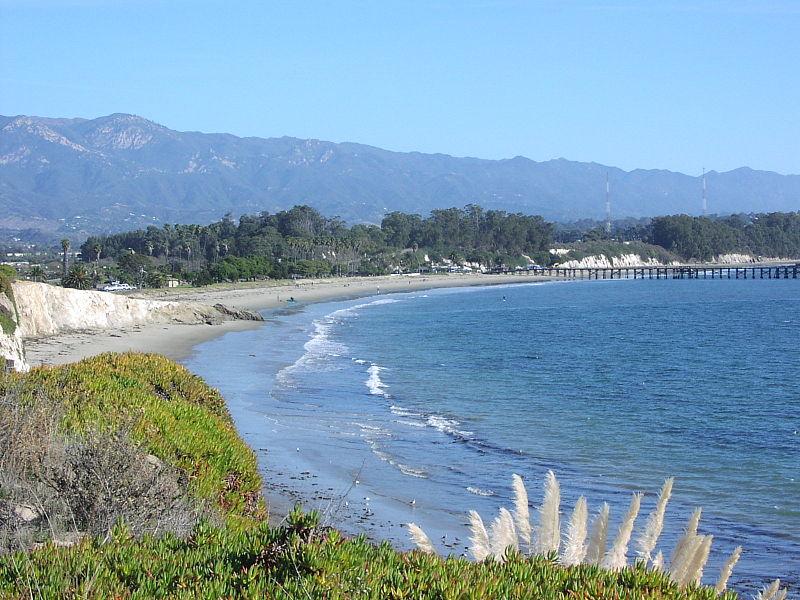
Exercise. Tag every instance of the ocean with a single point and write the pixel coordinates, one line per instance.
(419, 407)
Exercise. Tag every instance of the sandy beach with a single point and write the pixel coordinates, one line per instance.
(177, 340)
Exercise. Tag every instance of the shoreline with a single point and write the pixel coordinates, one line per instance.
(177, 341)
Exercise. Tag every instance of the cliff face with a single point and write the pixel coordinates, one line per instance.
(48, 310)
(45, 310)
(603, 261)
(11, 347)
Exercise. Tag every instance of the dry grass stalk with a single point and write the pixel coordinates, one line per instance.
(599, 539)
(502, 534)
(522, 517)
(727, 569)
(479, 547)
(695, 571)
(770, 592)
(575, 546)
(549, 532)
(658, 561)
(688, 534)
(420, 539)
(679, 568)
(655, 522)
(617, 557)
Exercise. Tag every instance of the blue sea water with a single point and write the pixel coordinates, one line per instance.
(431, 400)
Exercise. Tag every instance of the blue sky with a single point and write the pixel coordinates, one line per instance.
(674, 85)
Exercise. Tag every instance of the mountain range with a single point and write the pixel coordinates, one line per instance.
(123, 171)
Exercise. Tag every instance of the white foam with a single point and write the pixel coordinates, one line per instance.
(479, 492)
(410, 423)
(403, 412)
(445, 425)
(372, 429)
(387, 458)
(319, 349)
(374, 384)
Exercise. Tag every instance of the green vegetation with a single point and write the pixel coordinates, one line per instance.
(77, 277)
(8, 320)
(613, 249)
(126, 405)
(701, 238)
(303, 561)
(170, 413)
(301, 242)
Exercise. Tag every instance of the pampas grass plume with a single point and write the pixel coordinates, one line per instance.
(770, 592)
(522, 517)
(480, 547)
(679, 568)
(688, 534)
(502, 534)
(549, 534)
(658, 561)
(617, 557)
(694, 572)
(420, 539)
(727, 569)
(597, 543)
(655, 522)
(575, 546)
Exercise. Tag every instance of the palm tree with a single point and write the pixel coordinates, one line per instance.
(78, 278)
(150, 248)
(65, 257)
(37, 273)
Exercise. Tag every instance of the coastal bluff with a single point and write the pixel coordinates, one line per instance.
(41, 310)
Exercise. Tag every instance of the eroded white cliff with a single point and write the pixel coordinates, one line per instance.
(601, 261)
(11, 346)
(48, 310)
(44, 310)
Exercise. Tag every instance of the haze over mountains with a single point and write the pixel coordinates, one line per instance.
(122, 171)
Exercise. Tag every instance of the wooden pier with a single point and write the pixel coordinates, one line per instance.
(676, 272)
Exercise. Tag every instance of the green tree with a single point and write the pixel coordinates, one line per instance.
(65, 256)
(37, 273)
(77, 277)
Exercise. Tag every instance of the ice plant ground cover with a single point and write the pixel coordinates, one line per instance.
(231, 550)
(512, 535)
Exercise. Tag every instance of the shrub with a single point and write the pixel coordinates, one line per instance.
(164, 411)
(55, 484)
(8, 321)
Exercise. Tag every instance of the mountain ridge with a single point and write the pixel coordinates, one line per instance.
(122, 171)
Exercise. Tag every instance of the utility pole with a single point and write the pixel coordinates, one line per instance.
(705, 199)
(608, 207)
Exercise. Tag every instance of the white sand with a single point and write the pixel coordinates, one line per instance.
(177, 340)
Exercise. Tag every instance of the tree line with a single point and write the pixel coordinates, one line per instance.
(702, 238)
(303, 242)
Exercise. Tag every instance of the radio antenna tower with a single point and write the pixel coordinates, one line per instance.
(705, 199)
(608, 207)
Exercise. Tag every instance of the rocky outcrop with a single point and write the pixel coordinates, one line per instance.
(44, 310)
